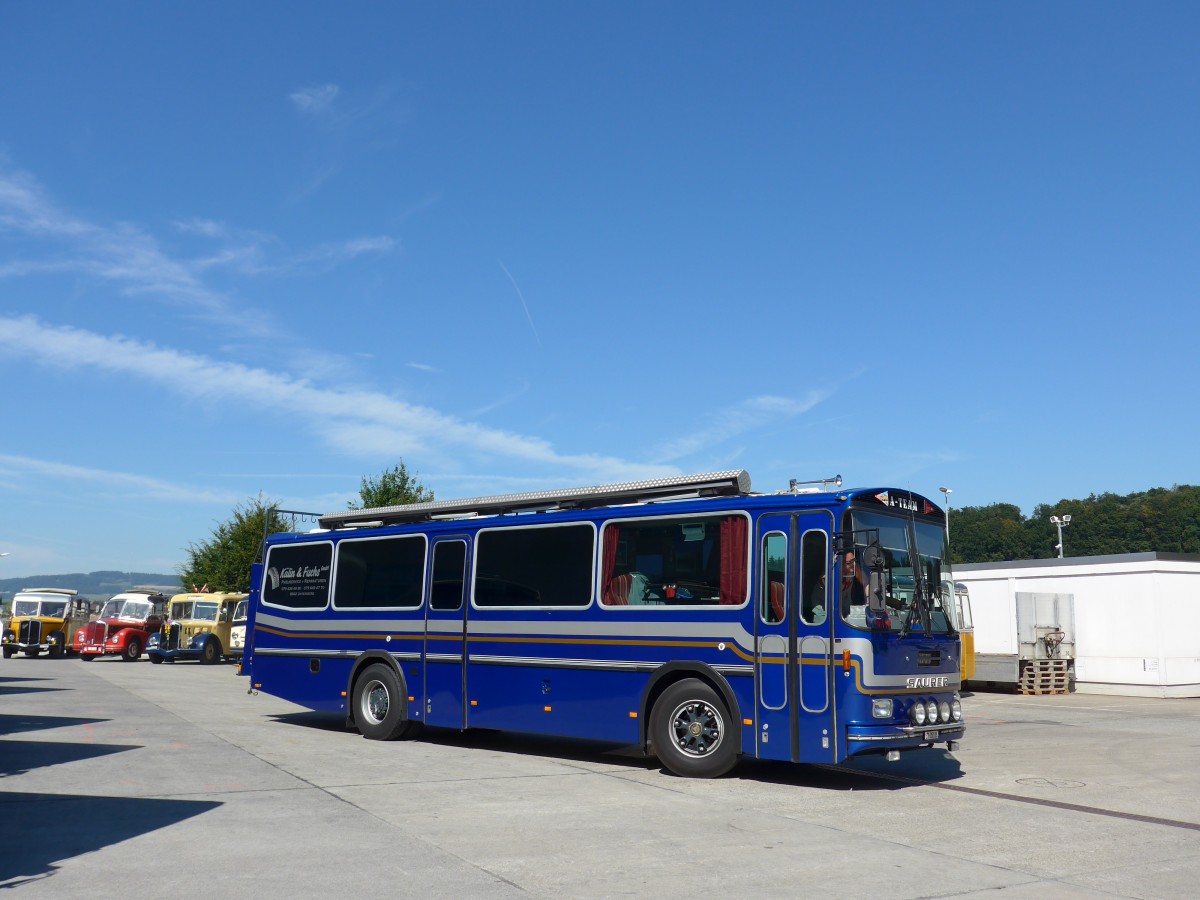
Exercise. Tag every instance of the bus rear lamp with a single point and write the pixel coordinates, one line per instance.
(881, 708)
(931, 711)
(917, 713)
(944, 711)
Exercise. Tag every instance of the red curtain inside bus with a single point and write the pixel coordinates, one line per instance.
(733, 561)
(611, 594)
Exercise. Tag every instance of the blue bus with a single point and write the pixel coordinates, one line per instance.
(690, 616)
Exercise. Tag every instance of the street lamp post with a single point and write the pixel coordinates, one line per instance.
(947, 492)
(1061, 522)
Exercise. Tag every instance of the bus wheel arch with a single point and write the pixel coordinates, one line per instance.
(663, 682)
(376, 672)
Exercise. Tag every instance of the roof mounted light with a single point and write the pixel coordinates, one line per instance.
(812, 487)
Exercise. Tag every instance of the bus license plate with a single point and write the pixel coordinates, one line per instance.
(931, 735)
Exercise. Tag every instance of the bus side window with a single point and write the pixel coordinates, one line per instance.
(814, 593)
(773, 595)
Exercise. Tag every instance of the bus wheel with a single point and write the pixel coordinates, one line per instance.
(211, 653)
(9, 651)
(157, 660)
(133, 651)
(378, 705)
(689, 730)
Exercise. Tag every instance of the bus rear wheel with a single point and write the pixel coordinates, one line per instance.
(379, 705)
(690, 731)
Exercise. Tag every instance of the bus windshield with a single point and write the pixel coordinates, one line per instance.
(914, 568)
(137, 610)
(46, 609)
(205, 610)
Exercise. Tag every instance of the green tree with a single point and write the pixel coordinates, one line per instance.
(223, 561)
(395, 487)
(988, 533)
(1164, 520)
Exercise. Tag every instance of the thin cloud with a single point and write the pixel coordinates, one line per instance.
(120, 254)
(355, 422)
(127, 484)
(348, 250)
(732, 421)
(315, 101)
(134, 262)
(524, 305)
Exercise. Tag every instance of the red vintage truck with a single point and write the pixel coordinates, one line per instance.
(124, 625)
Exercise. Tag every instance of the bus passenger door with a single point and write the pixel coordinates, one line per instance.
(445, 633)
(792, 660)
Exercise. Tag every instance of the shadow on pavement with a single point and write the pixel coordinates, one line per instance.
(860, 774)
(6, 691)
(19, 757)
(319, 721)
(15, 723)
(55, 827)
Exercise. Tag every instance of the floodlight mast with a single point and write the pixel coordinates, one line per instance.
(1060, 522)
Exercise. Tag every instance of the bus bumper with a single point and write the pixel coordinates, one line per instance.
(863, 739)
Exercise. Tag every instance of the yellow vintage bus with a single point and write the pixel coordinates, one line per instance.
(44, 619)
(197, 627)
(966, 629)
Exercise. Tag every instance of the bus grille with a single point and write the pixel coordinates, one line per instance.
(171, 636)
(30, 632)
(929, 658)
(96, 633)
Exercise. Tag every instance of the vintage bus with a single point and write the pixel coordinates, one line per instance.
(198, 628)
(964, 622)
(688, 615)
(44, 619)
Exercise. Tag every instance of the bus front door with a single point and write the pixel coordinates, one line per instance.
(793, 664)
(445, 633)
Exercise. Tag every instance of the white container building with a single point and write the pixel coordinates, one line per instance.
(1130, 623)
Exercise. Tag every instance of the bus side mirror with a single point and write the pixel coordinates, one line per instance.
(872, 558)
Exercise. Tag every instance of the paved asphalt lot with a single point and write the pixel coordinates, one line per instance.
(171, 781)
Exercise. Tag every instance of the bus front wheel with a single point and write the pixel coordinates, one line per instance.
(211, 654)
(691, 731)
(378, 704)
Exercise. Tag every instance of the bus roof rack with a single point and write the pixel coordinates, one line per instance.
(711, 484)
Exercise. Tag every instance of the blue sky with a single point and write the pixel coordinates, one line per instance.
(274, 247)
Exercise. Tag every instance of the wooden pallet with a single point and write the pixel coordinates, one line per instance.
(1045, 676)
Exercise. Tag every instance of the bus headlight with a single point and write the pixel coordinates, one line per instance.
(931, 711)
(881, 708)
(956, 710)
(944, 711)
(917, 713)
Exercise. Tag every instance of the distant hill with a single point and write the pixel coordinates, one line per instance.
(94, 585)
